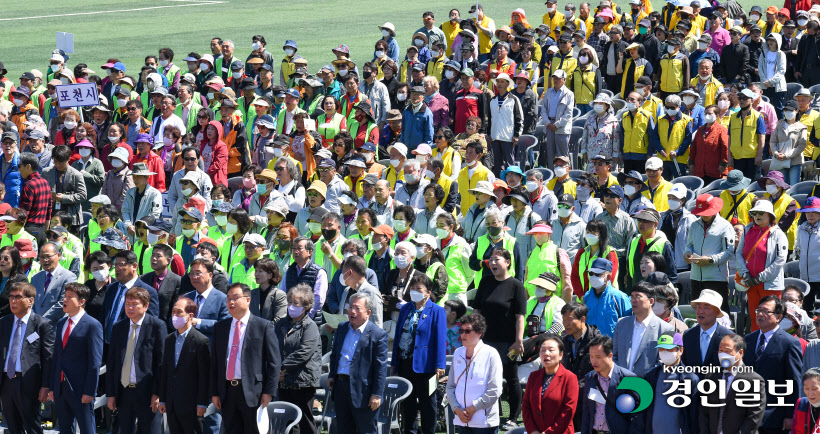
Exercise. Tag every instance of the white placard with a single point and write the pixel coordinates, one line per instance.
(65, 42)
(77, 95)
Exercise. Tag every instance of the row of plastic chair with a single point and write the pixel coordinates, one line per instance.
(396, 390)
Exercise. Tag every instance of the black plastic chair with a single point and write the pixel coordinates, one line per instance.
(396, 390)
(791, 89)
(684, 287)
(544, 171)
(86, 217)
(283, 417)
(579, 122)
(234, 184)
(328, 415)
(764, 168)
(800, 199)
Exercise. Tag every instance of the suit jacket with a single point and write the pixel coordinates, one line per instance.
(647, 356)
(214, 308)
(49, 301)
(579, 363)
(168, 292)
(111, 295)
(369, 363)
(782, 360)
(147, 356)
(688, 417)
(618, 422)
(261, 360)
(555, 409)
(691, 344)
(73, 190)
(81, 358)
(35, 353)
(184, 385)
(736, 419)
(430, 341)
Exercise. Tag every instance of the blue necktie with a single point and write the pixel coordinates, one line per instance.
(704, 345)
(115, 311)
(198, 304)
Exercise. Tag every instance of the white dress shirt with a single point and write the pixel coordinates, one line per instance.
(638, 329)
(133, 374)
(17, 366)
(238, 367)
(74, 320)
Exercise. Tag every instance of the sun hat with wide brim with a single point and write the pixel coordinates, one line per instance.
(764, 206)
(540, 228)
(710, 297)
(735, 181)
(509, 197)
(707, 205)
(546, 281)
(483, 187)
(777, 177)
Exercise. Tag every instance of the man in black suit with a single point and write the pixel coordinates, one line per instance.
(125, 271)
(707, 335)
(775, 355)
(576, 345)
(734, 418)
(26, 343)
(245, 363)
(359, 352)
(134, 365)
(163, 280)
(183, 386)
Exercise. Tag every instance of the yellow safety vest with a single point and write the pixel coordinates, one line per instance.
(543, 259)
(447, 158)
(672, 73)
(570, 186)
(636, 128)
(709, 92)
(808, 119)
(671, 141)
(779, 209)
(359, 190)
(583, 84)
(651, 105)
(434, 68)
(555, 23)
(450, 32)
(483, 243)
(742, 210)
(661, 197)
(445, 184)
(485, 43)
(391, 176)
(568, 65)
(743, 135)
(639, 68)
(465, 183)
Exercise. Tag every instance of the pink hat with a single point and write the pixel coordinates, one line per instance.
(85, 143)
(423, 149)
(606, 13)
(540, 228)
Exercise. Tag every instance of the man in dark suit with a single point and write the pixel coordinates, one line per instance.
(360, 352)
(76, 363)
(183, 386)
(211, 304)
(50, 283)
(601, 391)
(26, 344)
(775, 355)
(245, 364)
(125, 271)
(708, 334)
(734, 418)
(163, 280)
(576, 345)
(134, 365)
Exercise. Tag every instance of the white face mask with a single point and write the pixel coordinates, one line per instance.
(771, 189)
(591, 239)
(670, 49)
(631, 106)
(204, 67)
(599, 108)
(435, 53)
(395, 163)
(231, 228)
(163, 63)
(658, 308)
(402, 262)
(416, 296)
(85, 152)
(550, 9)
(237, 75)
(221, 220)
(411, 178)
(568, 14)
(582, 193)
(289, 51)
(786, 324)
(314, 227)
(802, 22)
(418, 42)
(18, 102)
(379, 54)
(343, 72)
(674, 204)
(187, 191)
(255, 46)
(117, 163)
(583, 59)
(385, 33)
(789, 115)
(754, 17)
(668, 358)
(672, 112)
(688, 100)
(723, 104)
(450, 74)
(441, 233)
(151, 238)
(532, 186)
(400, 225)
(429, 174)
(188, 232)
(401, 97)
(629, 190)
(596, 282)
(101, 274)
(702, 46)
(727, 359)
(560, 171)
(710, 118)
(564, 212)
(277, 152)
(420, 251)
(210, 96)
(70, 125)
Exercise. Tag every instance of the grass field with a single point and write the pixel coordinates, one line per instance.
(138, 28)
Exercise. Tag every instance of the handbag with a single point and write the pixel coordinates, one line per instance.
(739, 285)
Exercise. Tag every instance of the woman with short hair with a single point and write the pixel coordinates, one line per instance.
(551, 393)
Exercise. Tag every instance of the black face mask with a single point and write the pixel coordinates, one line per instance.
(283, 244)
(329, 234)
(494, 231)
(367, 74)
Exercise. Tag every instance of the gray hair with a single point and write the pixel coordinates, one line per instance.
(617, 28)
(368, 303)
(415, 163)
(309, 246)
(571, 6)
(335, 217)
(4, 110)
(361, 248)
(304, 293)
(811, 373)
(293, 171)
(436, 163)
(406, 245)
(674, 100)
(432, 80)
(536, 174)
(703, 60)
(493, 212)
(228, 41)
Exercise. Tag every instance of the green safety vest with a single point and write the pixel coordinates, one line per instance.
(240, 273)
(457, 280)
(145, 262)
(172, 72)
(225, 259)
(9, 239)
(481, 247)
(218, 234)
(542, 259)
(66, 258)
(550, 307)
(586, 261)
(654, 245)
(319, 255)
(35, 268)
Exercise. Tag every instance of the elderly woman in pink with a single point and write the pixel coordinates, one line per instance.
(601, 132)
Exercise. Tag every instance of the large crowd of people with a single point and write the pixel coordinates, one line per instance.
(581, 197)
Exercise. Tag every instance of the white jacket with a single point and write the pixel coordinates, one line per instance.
(807, 251)
(478, 385)
(778, 79)
(507, 120)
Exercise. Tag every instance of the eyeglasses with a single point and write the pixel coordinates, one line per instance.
(202, 116)
(464, 331)
(47, 257)
(188, 222)
(189, 159)
(278, 169)
(313, 194)
(131, 109)
(438, 137)
(601, 163)
(763, 311)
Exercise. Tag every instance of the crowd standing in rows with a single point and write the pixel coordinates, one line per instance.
(493, 195)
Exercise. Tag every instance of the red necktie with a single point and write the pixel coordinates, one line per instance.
(65, 340)
(234, 351)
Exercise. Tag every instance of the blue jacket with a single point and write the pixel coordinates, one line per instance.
(688, 421)
(430, 348)
(13, 182)
(617, 422)
(214, 309)
(417, 128)
(605, 310)
(369, 363)
(81, 358)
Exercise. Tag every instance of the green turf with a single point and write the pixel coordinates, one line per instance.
(316, 25)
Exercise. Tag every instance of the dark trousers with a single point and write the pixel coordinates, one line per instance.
(721, 288)
(673, 169)
(471, 430)
(134, 410)
(348, 417)
(20, 410)
(302, 398)
(810, 300)
(748, 167)
(510, 374)
(775, 99)
(419, 401)
(504, 156)
(237, 417)
(70, 409)
(613, 82)
(184, 422)
(639, 165)
(708, 180)
(38, 232)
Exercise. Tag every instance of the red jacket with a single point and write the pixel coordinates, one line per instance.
(709, 149)
(581, 289)
(801, 421)
(218, 170)
(154, 165)
(552, 413)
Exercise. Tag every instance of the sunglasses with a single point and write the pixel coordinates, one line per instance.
(464, 331)
(757, 213)
(438, 137)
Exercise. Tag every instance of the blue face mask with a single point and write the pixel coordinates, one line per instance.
(261, 188)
